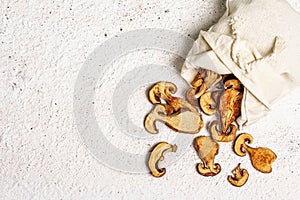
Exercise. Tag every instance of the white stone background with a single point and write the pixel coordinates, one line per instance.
(44, 45)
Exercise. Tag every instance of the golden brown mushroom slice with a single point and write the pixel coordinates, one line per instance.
(184, 122)
(233, 84)
(230, 107)
(207, 150)
(261, 158)
(208, 104)
(219, 136)
(157, 155)
(161, 90)
(240, 176)
(198, 80)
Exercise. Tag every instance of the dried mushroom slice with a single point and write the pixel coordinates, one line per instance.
(230, 107)
(191, 96)
(240, 176)
(219, 136)
(208, 104)
(157, 155)
(233, 84)
(198, 80)
(161, 90)
(261, 158)
(207, 149)
(184, 122)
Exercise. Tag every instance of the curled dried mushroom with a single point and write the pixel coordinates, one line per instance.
(208, 104)
(207, 149)
(157, 155)
(185, 121)
(191, 96)
(161, 90)
(261, 158)
(240, 176)
(220, 136)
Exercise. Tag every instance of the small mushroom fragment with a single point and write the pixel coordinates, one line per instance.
(161, 90)
(207, 150)
(240, 176)
(219, 136)
(233, 84)
(204, 80)
(261, 158)
(198, 80)
(208, 104)
(185, 121)
(190, 96)
(157, 155)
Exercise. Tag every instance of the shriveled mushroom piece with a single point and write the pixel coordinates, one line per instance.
(208, 104)
(157, 155)
(185, 121)
(240, 176)
(230, 107)
(204, 80)
(161, 90)
(233, 84)
(219, 136)
(207, 150)
(191, 96)
(198, 80)
(261, 158)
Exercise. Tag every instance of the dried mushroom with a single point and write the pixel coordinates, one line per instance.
(240, 176)
(220, 136)
(190, 96)
(204, 80)
(157, 155)
(208, 104)
(230, 107)
(233, 84)
(186, 121)
(207, 150)
(261, 158)
(198, 80)
(161, 90)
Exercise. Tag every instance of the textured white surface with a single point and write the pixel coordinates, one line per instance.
(43, 47)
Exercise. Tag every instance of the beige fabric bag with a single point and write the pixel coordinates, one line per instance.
(259, 42)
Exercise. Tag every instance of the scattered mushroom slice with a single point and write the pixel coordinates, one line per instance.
(185, 121)
(219, 136)
(157, 155)
(240, 176)
(233, 84)
(261, 158)
(230, 107)
(207, 150)
(207, 104)
(190, 96)
(162, 90)
(240, 143)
